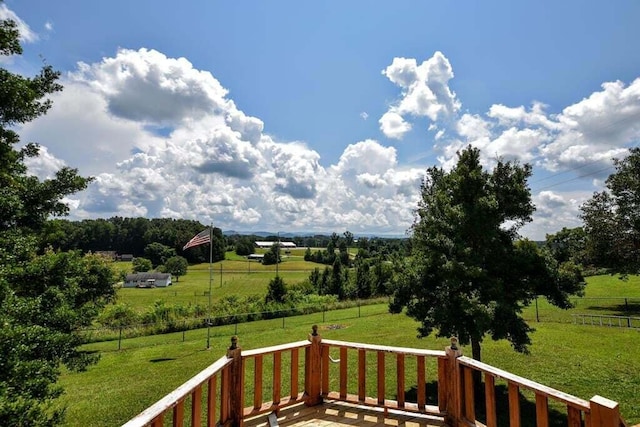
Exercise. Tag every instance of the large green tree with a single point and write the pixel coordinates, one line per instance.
(469, 274)
(612, 218)
(44, 297)
(567, 244)
(158, 253)
(177, 266)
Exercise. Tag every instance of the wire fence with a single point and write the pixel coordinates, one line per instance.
(621, 312)
(180, 330)
(541, 310)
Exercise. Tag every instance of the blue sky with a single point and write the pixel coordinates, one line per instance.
(323, 116)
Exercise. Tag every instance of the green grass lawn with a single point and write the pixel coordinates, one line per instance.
(581, 360)
(604, 295)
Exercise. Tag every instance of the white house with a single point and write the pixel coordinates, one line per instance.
(147, 280)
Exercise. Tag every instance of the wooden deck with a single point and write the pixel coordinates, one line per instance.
(306, 386)
(333, 413)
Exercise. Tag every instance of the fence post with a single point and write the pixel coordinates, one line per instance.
(454, 385)
(236, 394)
(313, 369)
(120, 338)
(604, 412)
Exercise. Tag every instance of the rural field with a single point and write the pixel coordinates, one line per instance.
(233, 276)
(582, 360)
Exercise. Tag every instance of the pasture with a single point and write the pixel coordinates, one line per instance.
(233, 276)
(581, 360)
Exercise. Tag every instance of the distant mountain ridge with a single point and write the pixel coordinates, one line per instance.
(290, 235)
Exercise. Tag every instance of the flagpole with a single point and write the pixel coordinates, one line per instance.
(210, 281)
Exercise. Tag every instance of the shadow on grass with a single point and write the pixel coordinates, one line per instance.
(630, 309)
(527, 408)
(162, 359)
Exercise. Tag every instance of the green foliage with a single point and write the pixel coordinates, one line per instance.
(177, 266)
(339, 279)
(272, 256)
(158, 253)
(244, 246)
(118, 315)
(467, 277)
(568, 244)
(44, 297)
(131, 236)
(612, 219)
(277, 290)
(141, 265)
(49, 298)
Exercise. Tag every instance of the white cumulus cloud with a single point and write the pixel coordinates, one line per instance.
(27, 35)
(425, 92)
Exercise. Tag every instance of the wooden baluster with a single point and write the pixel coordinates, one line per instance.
(469, 395)
(604, 412)
(178, 414)
(514, 405)
(277, 377)
(325, 370)
(362, 374)
(236, 384)
(211, 401)
(422, 384)
(542, 410)
(257, 382)
(574, 418)
(294, 373)
(400, 375)
(490, 400)
(225, 398)
(442, 384)
(158, 421)
(381, 374)
(196, 407)
(343, 372)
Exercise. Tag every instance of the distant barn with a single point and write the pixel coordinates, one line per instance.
(147, 280)
(267, 245)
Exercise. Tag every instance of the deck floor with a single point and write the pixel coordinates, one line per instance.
(337, 414)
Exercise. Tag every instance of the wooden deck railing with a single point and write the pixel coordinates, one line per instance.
(599, 411)
(217, 373)
(452, 388)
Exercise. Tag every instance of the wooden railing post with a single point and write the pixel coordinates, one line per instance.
(236, 388)
(313, 369)
(453, 385)
(604, 412)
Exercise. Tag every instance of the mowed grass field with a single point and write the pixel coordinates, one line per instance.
(580, 360)
(233, 276)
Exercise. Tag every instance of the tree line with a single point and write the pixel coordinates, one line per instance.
(131, 236)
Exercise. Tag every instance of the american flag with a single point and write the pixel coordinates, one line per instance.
(199, 239)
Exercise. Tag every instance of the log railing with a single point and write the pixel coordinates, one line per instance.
(450, 375)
